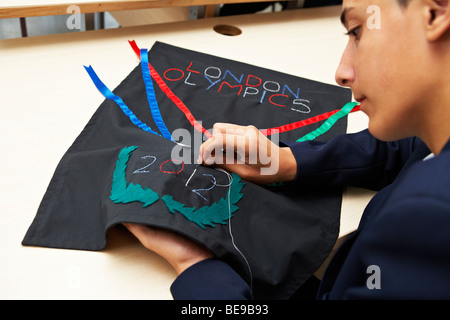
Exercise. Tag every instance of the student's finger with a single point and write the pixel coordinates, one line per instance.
(224, 148)
(239, 138)
(222, 128)
(234, 140)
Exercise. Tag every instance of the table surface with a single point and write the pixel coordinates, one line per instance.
(32, 8)
(45, 89)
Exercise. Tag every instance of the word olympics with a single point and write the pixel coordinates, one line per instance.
(243, 85)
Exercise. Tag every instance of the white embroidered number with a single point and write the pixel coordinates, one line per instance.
(142, 170)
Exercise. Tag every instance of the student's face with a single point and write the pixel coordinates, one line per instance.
(383, 65)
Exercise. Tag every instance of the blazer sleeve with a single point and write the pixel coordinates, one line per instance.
(357, 160)
(210, 279)
(410, 246)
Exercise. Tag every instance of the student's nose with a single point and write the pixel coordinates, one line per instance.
(345, 73)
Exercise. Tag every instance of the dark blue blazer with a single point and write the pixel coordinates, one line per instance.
(401, 249)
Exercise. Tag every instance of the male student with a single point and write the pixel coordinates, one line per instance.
(400, 75)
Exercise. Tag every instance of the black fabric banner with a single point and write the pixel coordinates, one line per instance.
(275, 237)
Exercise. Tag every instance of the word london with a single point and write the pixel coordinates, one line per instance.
(246, 86)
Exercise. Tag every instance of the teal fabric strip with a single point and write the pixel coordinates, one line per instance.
(330, 122)
(121, 191)
(219, 212)
(151, 97)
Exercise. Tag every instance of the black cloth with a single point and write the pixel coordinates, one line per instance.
(276, 229)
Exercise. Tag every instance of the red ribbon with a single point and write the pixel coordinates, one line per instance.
(302, 123)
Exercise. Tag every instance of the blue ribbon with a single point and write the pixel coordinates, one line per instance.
(153, 103)
(111, 96)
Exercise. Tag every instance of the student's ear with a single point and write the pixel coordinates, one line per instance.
(437, 19)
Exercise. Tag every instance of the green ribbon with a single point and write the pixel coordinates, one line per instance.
(330, 122)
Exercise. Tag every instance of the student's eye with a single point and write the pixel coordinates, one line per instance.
(354, 32)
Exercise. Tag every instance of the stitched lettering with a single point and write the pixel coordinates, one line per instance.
(301, 102)
(277, 95)
(250, 91)
(189, 83)
(213, 180)
(232, 75)
(246, 85)
(173, 161)
(239, 86)
(173, 79)
(220, 212)
(296, 95)
(142, 170)
(208, 74)
(266, 86)
(189, 69)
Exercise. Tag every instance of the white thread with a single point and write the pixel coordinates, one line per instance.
(196, 190)
(141, 170)
(230, 178)
(190, 177)
(214, 184)
(182, 144)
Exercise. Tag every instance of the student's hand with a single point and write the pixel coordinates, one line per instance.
(178, 250)
(245, 151)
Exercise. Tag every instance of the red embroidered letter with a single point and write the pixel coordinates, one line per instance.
(253, 85)
(188, 69)
(277, 94)
(165, 76)
(238, 86)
